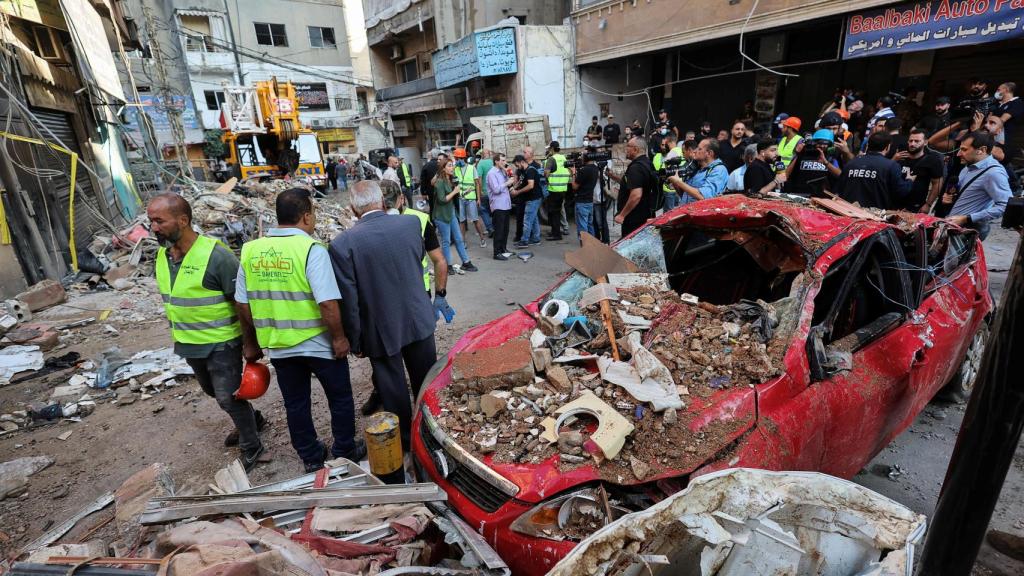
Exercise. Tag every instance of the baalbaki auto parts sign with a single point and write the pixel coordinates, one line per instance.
(915, 26)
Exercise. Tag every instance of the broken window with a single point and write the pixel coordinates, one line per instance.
(198, 32)
(724, 267)
(214, 99)
(270, 34)
(949, 251)
(320, 37)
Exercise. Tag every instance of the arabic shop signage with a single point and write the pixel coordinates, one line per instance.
(488, 53)
(931, 25)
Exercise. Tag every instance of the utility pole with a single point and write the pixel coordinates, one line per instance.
(234, 47)
(988, 439)
(166, 95)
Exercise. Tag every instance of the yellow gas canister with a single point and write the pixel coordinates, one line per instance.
(384, 448)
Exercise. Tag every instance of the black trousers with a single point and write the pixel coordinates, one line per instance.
(294, 377)
(600, 218)
(555, 201)
(499, 218)
(519, 209)
(219, 376)
(389, 380)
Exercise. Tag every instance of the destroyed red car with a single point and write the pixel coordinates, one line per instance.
(869, 319)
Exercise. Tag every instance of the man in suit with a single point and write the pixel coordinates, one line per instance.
(387, 315)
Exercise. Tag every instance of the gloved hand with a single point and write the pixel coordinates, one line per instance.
(441, 308)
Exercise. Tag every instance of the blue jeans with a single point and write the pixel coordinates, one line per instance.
(584, 218)
(671, 200)
(293, 377)
(531, 222)
(485, 214)
(445, 232)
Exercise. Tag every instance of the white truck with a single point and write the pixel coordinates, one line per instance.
(509, 133)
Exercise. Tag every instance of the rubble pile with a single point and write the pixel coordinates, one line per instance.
(560, 391)
(340, 520)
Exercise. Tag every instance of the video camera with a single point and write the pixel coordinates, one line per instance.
(812, 145)
(578, 159)
(965, 109)
(677, 166)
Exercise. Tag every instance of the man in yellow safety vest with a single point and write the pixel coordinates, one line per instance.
(469, 199)
(790, 138)
(196, 277)
(289, 302)
(559, 177)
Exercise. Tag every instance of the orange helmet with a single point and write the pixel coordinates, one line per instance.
(255, 381)
(459, 153)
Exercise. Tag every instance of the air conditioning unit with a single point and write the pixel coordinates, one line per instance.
(317, 123)
(396, 52)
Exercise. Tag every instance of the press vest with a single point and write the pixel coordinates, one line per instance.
(787, 148)
(197, 315)
(423, 230)
(466, 177)
(558, 181)
(284, 310)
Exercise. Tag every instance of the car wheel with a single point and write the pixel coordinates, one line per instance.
(959, 387)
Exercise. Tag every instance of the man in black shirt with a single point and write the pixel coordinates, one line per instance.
(594, 131)
(611, 131)
(760, 177)
(584, 181)
(872, 180)
(662, 127)
(899, 142)
(812, 172)
(427, 176)
(637, 188)
(923, 169)
(937, 121)
(530, 191)
(1010, 109)
(732, 148)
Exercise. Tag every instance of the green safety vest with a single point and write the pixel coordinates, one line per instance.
(284, 310)
(787, 148)
(466, 177)
(404, 175)
(666, 187)
(558, 181)
(197, 315)
(423, 230)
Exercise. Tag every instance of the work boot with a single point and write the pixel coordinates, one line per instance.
(315, 466)
(251, 457)
(371, 405)
(358, 453)
(1009, 544)
(232, 438)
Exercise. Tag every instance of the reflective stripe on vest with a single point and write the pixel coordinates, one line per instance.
(466, 177)
(197, 315)
(284, 310)
(787, 149)
(558, 181)
(423, 230)
(405, 176)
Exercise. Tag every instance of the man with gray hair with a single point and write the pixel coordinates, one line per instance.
(387, 315)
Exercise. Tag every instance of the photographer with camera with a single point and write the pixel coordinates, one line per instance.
(814, 169)
(760, 177)
(732, 148)
(585, 179)
(873, 180)
(663, 161)
(983, 186)
(708, 180)
(638, 188)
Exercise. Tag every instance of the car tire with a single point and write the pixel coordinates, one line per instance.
(959, 387)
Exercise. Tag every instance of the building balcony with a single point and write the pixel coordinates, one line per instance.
(210, 61)
(419, 86)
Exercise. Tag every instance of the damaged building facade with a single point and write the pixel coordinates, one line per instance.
(61, 103)
(435, 67)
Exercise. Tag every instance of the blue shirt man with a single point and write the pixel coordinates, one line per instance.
(983, 185)
(710, 179)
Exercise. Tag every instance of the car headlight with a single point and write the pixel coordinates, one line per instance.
(572, 516)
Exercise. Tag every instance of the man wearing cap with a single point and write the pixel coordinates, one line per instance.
(790, 139)
(469, 197)
(611, 131)
(812, 172)
(833, 120)
(378, 265)
(558, 184)
(288, 302)
(196, 277)
(662, 127)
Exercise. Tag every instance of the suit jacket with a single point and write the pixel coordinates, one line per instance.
(378, 264)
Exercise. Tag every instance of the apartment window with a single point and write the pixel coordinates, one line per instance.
(214, 99)
(47, 44)
(408, 70)
(342, 103)
(270, 34)
(197, 32)
(363, 106)
(321, 37)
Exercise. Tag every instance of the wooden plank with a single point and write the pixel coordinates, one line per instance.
(844, 208)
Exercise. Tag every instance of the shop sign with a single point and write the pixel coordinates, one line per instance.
(336, 134)
(312, 96)
(156, 109)
(931, 25)
(487, 53)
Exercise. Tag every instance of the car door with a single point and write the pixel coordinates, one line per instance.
(861, 349)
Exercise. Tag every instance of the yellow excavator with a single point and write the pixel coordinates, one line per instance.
(265, 138)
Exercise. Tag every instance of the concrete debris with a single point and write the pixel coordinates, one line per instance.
(15, 359)
(43, 295)
(14, 474)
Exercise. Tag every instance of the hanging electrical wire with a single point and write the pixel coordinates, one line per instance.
(743, 30)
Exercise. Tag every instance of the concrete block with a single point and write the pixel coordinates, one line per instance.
(43, 295)
(500, 367)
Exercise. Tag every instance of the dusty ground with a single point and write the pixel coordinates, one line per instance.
(184, 429)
